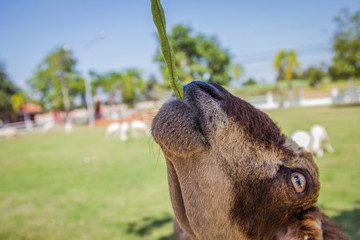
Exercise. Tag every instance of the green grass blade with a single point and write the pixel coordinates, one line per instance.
(168, 54)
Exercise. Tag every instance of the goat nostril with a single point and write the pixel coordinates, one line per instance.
(213, 91)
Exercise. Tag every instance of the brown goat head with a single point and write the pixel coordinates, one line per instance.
(232, 174)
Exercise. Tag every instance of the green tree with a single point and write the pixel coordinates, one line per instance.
(129, 82)
(346, 44)
(132, 87)
(151, 89)
(109, 82)
(56, 82)
(7, 91)
(197, 57)
(18, 100)
(250, 82)
(315, 75)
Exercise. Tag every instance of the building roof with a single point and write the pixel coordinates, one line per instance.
(31, 108)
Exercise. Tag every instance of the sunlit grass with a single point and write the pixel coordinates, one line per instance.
(81, 186)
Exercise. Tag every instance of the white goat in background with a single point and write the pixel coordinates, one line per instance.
(315, 141)
(48, 126)
(139, 126)
(68, 127)
(123, 129)
(303, 139)
(112, 129)
(320, 140)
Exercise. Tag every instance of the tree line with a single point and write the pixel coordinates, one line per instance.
(57, 85)
(345, 63)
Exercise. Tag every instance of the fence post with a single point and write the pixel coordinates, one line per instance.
(351, 90)
(335, 94)
(269, 98)
(301, 96)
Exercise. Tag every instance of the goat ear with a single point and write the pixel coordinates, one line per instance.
(312, 225)
(307, 227)
(292, 145)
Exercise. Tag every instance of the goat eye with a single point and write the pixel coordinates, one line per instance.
(298, 181)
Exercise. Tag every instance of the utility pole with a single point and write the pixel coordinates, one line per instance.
(64, 88)
(88, 96)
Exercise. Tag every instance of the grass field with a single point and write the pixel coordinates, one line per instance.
(83, 186)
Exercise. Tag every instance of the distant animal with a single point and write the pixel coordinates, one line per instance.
(314, 141)
(8, 132)
(320, 140)
(68, 127)
(50, 125)
(303, 139)
(139, 126)
(124, 131)
(113, 129)
(232, 174)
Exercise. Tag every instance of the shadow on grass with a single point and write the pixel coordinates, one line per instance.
(147, 225)
(170, 237)
(346, 105)
(349, 222)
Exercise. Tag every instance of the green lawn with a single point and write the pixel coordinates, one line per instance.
(83, 186)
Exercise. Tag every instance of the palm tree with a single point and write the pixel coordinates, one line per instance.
(238, 71)
(286, 64)
(279, 64)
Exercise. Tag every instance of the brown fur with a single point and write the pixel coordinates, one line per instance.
(229, 170)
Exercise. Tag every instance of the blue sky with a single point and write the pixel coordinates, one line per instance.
(253, 31)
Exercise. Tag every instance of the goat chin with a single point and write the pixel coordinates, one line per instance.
(232, 174)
